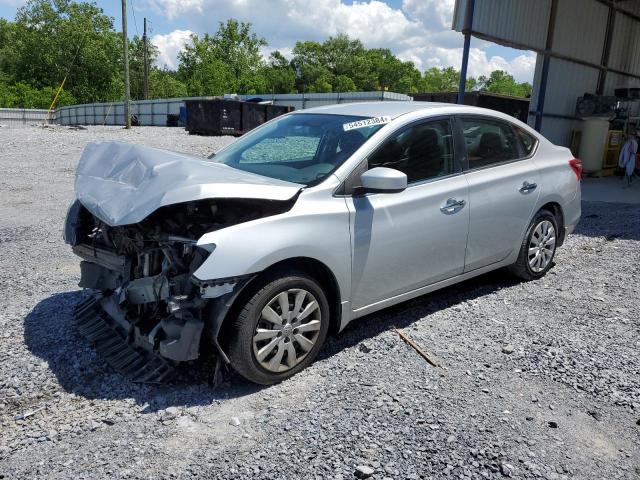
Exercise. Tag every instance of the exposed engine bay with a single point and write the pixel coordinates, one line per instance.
(143, 291)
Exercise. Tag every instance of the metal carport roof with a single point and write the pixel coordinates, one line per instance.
(583, 46)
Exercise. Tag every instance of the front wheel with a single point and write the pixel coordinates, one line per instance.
(280, 330)
(538, 247)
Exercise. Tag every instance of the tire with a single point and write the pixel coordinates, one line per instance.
(526, 267)
(247, 354)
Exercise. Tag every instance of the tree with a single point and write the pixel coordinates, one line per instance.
(57, 38)
(326, 66)
(311, 74)
(345, 58)
(501, 82)
(388, 72)
(23, 95)
(165, 84)
(54, 39)
(7, 52)
(279, 75)
(200, 70)
(444, 80)
(228, 61)
(136, 66)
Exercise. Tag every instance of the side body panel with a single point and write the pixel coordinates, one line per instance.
(559, 184)
(403, 241)
(499, 211)
(316, 227)
(327, 228)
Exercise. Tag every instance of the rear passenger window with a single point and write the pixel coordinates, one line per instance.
(528, 141)
(489, 142)
(423, 151)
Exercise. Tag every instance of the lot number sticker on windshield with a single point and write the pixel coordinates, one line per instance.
(367, 122)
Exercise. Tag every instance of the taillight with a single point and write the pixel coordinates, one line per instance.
(576, 166)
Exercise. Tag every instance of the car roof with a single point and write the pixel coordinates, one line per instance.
(377, 109)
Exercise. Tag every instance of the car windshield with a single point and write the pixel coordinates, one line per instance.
(302, 148)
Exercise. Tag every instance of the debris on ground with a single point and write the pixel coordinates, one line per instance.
(417, 348)
(356, 406)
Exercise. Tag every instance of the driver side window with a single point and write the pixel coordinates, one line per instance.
(421, 151)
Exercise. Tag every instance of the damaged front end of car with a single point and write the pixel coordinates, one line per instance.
(145, 310)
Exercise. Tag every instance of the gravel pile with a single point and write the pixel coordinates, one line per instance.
(540, 380)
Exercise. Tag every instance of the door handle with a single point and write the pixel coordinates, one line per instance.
(528, 187)
(452, 205)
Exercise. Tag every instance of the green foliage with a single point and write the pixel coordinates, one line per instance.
(165, 84)
(23, 95)
(388, 72)
(440, 80)
(228, 61)
(136, 66)
(56, 38)
(279, 75)
(51, 40)
(501, 82)
(448, 79)
(341, 64)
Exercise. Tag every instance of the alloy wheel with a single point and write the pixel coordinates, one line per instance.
(287, 330)
(542, 246)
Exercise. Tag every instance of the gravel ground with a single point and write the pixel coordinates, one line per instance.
(540, 379)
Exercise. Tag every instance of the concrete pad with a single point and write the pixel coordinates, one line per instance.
(611, 189)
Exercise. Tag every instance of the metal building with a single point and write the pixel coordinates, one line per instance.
(583, 46)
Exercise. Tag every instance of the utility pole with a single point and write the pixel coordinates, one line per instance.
(146, 61)
(127, 90)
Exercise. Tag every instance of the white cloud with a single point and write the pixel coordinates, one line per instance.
(172, 9)
(432, 13)
(419, 31)
(521, 67)
(170, 45)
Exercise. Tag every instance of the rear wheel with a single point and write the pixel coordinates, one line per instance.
(280, 330)
(538, 247)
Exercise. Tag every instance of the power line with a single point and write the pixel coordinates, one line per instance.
(133, 12)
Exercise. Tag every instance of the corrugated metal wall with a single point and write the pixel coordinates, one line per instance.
(625, 45)
(516, 21)
(579, 33)
(148, 112)
(632, 6)
(154, 112)
(301, 101)
(21, 117)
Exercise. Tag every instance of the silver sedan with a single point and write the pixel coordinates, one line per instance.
(304, 224)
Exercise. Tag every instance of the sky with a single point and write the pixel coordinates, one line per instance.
(416, 30)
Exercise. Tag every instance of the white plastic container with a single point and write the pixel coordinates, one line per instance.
(593, 142)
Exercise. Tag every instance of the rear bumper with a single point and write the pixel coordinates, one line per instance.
(572, 213)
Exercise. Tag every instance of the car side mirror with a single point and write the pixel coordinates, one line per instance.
(382, 180)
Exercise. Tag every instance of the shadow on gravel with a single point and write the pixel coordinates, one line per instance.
(610, 220)
(50, 334)
(405, 314)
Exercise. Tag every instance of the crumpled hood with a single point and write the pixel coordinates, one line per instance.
(123, 183)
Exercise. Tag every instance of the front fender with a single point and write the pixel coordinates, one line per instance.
(314, 228)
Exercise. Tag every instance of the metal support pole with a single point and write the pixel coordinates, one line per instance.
(468, 27)
(127, 90)
(606, 50)
(146, 61)
(542, 92)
